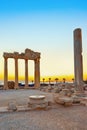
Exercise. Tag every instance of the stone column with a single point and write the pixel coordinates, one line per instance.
(78, 64)
(16, 73)
(37, 73)
(5, 73)
(26, 73)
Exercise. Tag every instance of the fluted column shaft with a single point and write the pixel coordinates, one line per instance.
(26, 73)
(37, 73)
(16, 73)
(5, 73)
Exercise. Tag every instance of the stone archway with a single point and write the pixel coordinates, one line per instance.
(28, 55)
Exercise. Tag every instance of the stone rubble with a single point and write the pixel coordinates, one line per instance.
(65, 92)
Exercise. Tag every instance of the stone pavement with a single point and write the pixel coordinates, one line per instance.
(57, 118)
(21, 96)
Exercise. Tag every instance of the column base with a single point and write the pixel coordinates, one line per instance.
(37, 86)
(5, 88)
(16, 87)
(26, 87)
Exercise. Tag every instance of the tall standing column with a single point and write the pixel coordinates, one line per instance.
(37, 73)
(26, 73)
(78, 64)
(16, 73)
(5, 73)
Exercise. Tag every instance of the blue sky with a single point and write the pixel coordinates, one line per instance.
(45, 26)
(41, 5)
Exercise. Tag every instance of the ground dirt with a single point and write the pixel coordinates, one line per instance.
(56, 118)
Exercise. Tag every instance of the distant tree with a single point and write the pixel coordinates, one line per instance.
(56, 79)
(49, 80)
(32, 81)
(73, 80)
(64, 80)
(43, 80)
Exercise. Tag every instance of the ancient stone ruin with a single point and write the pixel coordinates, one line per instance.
(78, 63)
(28, 55)
(66, 94)
(37, 101)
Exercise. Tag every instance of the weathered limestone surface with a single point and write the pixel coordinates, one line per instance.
(84, 101)
(16, 73)
(37, 101)
(37, 72)
(26, 73)
(63, 100)
(11, 84)
(5, 73)
(12, 106)
(78, 64)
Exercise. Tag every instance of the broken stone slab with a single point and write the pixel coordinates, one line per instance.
(38, 106)
(12, 106)
(23, 108)
(84, 101)
(50, 88)
(73, 90)
(64, 92)
(76, 99)
(37, 101)
(79, 94)
(3, 109)
(66, 101)
(57, 89)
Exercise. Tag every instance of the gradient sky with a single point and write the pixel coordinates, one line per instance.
(45, 26)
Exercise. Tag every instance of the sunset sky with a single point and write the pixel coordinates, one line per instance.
(45, 26)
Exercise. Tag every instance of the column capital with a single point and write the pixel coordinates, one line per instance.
(37, 60)
(26, 59)
(16, 58)
(5, 57)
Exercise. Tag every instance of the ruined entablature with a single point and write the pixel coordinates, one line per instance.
(10, 55)
(29, 54)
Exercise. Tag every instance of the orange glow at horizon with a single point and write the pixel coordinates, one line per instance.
(46, 78)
